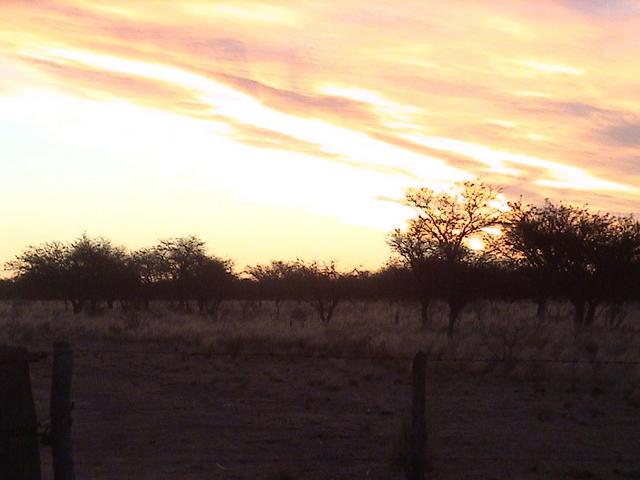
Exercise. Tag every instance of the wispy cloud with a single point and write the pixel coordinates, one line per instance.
(624, 133)
(542, 99)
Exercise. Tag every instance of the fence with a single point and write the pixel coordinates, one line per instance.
(19, 442)
(19, 446)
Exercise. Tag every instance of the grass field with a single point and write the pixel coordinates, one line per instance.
(146, 408)
(505, 334)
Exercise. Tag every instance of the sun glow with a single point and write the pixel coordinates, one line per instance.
(475, 244)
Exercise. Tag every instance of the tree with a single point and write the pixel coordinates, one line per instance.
(183, 256)
(277, 281)
(194, 274)
(152, 270)
(42, 270)
(437, 243)
(86, 269)
(588, 256)
(422, 262)
(96, 270)
(530, 242)
(211, 283)
(7, 289)
(617, 260)
(322, 286)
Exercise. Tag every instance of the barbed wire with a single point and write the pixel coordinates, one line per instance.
(341, 356)
(535, 459)
(378, 461)
(387, 461)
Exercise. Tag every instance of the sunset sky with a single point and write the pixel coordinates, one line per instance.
(287, 129)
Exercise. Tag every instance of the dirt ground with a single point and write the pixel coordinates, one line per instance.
(144, 415)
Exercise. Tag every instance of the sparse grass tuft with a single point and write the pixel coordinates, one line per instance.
(504, 334)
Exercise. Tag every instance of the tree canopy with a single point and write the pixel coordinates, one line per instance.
(450, 233)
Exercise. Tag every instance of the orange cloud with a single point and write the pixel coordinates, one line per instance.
(539, 98)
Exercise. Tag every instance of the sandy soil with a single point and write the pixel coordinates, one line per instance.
(140, 415)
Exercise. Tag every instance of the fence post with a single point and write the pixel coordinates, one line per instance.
(19, 448)
(418, 434)
(61, 412)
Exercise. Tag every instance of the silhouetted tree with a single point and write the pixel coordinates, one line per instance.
(42, 271)
(394, 281)
(530, 242)
(183, 256)
(86, 270)
(96, 270)
(585, 255)
(153, 270)
(322, 286)
(194, 274)
(277, 281)
(436, 244)
(212, 283)
(8, 289)
(612, 250)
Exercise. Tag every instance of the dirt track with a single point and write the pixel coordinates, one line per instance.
(175, 416)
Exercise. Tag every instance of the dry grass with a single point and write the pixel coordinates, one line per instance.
(333, 404)
(504, 333)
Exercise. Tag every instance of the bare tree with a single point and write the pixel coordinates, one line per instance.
(437, 242)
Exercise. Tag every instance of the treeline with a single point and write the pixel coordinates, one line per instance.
(89, 271)
(460, 246)
(92, 273)
(553, 251)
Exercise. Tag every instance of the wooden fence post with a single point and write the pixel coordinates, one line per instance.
(418, 434)
(19, 448)
(61, 412)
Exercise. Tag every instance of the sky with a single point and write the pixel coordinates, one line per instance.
(292, 128)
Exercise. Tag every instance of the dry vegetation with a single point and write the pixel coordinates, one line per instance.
(499, 337)
(235, 417)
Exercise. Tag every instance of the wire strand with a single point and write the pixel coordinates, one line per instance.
(339, 356)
